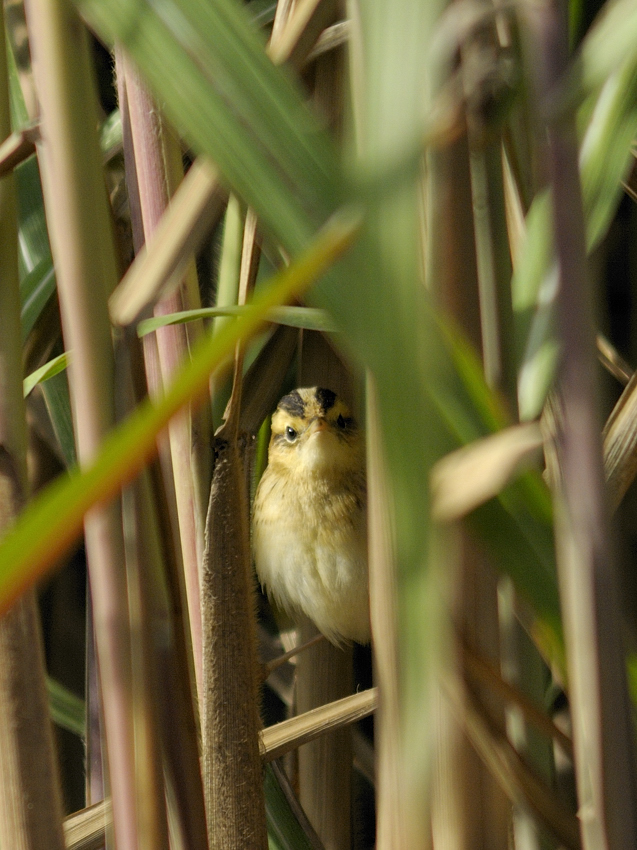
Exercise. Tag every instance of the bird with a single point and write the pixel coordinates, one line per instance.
(309, 529)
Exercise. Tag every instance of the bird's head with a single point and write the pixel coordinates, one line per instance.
(313, 432)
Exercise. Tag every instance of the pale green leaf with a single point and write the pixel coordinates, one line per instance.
(53, 367)
(309, 318)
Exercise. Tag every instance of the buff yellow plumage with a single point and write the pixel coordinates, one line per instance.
(309, 528)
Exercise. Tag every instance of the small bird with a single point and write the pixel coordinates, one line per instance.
(310, 518)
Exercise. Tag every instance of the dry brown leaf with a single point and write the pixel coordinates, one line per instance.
(84, 830)
(465, 479)
(290, 734)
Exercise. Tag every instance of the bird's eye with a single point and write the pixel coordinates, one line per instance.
(340, 421)
(290, 434)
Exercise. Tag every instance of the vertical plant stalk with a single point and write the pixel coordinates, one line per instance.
(168, 741)
(159, 170)
(493, 253)
(233, 782)
(325, 765)
(156, 575)
(390, 832)
(494, 270)
(78, 219)
(227, 294)
(602, 727)
(31, 800)
(232, 770)
(143, 556)
(164, 670)
(173, 661)
(324, 673)
(469, 809)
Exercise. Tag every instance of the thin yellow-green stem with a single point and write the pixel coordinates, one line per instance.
(227, 293)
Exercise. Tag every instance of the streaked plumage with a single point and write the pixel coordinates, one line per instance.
(309, 529)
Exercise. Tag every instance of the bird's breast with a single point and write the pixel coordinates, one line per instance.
(310, 551)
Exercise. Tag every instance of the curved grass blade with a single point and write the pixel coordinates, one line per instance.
(111, 135)
(58, 402)
(310, 318)
(36, 287)
(68, 711)
(53, 367)
(284, 830)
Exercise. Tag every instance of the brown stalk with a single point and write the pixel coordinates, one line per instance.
(143, 567)
(157, 171)
(602, 723)
(469, 808)
(233, 784)
(180, 717)
(142, 561)
(324, 674)
(79, 226)
(233, 787)
(31, 800)
(167, 667)
(165, 628)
